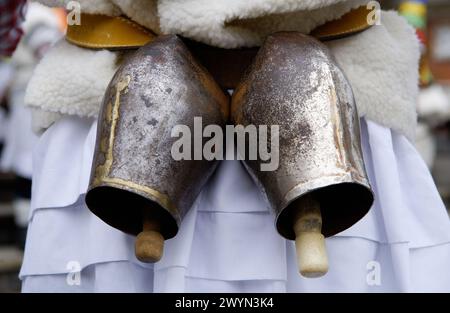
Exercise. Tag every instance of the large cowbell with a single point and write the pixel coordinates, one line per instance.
(295, 83)
(136, 183)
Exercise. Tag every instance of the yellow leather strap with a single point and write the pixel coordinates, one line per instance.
(106, 32)
(351, 23)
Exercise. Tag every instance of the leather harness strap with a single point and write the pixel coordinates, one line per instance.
(120, 33)
(107, 32)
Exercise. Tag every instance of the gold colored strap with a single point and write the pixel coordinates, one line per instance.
(351, 23)
(106, 32)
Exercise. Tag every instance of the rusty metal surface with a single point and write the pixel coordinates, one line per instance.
(158, 87)
(294, 82)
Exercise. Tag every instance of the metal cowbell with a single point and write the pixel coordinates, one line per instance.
(136, 183)
(294, 82)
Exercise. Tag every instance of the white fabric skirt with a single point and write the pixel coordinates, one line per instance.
(228, 242)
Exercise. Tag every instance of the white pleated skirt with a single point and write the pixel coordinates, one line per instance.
(228, 242)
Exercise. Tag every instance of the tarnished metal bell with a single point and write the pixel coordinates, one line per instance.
(295, 83)
(136, 184)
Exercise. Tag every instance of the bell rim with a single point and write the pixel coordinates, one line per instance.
(133, 222)
(283, 220)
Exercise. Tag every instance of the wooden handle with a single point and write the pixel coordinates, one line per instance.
(149, 244)
(309, 242)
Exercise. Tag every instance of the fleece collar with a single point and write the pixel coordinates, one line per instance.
(221, 23)
(380, 63)
(118, 32)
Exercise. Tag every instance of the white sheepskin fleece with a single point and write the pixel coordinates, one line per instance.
(144, 12)
(382, 65)
(71, 80)
(239, 23)
(222, 23)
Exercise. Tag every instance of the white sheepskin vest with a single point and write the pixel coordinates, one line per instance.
(380, 63)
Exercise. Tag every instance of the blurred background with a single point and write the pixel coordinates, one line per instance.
(44, 26)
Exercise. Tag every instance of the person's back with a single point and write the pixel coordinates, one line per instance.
(226, 240)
